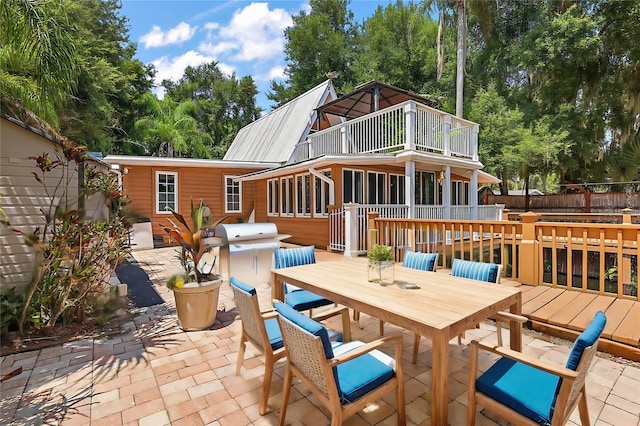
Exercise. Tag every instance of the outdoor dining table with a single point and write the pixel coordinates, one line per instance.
(440, 308)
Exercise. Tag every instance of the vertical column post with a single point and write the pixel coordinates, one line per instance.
(446, 135)
(446, 192)
(410, 123)
(473, 194)
(410, 187)
(528, 258)
(343, 139)
(474, 142)
(351, 229)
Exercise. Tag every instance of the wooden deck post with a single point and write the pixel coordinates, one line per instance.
(528, 262)
(372, 238)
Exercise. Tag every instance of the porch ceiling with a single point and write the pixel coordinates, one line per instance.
(362, 101)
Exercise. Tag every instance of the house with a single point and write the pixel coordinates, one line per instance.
(22, 197)
(378, 148)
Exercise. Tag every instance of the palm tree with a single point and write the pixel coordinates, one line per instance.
(37, 65)
(169, 129)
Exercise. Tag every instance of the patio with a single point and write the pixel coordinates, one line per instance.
(155, 374)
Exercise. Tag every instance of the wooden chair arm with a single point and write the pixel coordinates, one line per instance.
(268, 314)
(323, 315)
(508, 316)
(368, 347)
(556, 370)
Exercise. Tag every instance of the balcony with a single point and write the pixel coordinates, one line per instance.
(405, 126)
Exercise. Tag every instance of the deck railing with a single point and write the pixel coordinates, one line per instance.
(600, 258)
(404, 126)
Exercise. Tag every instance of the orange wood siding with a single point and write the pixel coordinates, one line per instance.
(194, 183)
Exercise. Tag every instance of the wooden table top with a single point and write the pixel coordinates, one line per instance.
(441, 302)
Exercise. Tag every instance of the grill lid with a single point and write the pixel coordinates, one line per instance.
(236, 232)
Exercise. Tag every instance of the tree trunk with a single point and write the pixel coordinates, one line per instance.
(461, 57)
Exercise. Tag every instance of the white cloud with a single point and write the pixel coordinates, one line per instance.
(254, 33)
(276, 72)
(173, 69)
(158, 38)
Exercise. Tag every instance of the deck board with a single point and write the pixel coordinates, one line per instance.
(582, 320)
(531, 292)
(569, 312)
(628, 331)
(616, 312)
(554, 306)
(541, 300)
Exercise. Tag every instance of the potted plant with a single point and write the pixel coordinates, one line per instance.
(380, 264)
(196, 293)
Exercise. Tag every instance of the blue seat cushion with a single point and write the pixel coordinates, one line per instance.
(287, 257)
(302, 300)
(422, 261)
(273, 333)
(307, 324)
(475, 270)
(359, 376)
(527, 390)
(243, 286)
(587, 338)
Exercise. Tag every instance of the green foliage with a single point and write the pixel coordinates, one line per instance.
(75, 256)
(379, 253)
(10, 307)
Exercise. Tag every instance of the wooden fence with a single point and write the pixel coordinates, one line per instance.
(586, 202)
(599, 258)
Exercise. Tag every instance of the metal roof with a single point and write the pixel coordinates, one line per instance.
(272, 138)
(371, 97)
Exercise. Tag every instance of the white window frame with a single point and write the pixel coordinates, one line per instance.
(157, 191)
(303, 195)
(400, 191)
(381, 188)
(419, 190)
(459, 193)
(286, 196)
(273, 197)
(354, 193)
(230, 184)
(321, 195)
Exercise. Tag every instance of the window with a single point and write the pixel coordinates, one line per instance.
(459, 193)
(272, 197)
(321, 193)
(425, 188)
(303, 195)
(286, 196)
(233, 198)
(166, 191)
(396, 189)
(376, 188)
(352, 186)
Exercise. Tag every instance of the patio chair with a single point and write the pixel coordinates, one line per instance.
(346, 377)
(303, 300)
(525, 390)
(487, 272)
(261, 329)
(423, 262)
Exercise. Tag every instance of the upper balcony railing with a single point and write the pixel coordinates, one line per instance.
(404, 126)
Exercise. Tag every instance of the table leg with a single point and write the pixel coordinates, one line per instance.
(515, 327)
(277, 291)
(440, 378)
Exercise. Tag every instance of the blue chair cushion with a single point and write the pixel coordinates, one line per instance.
(587, 338)
(243, 286)
(307, 324)
(302, 300)
(273, 333)
(475, 270)
(525, 389)
(286, 257)
(422, 261)
(359, 376)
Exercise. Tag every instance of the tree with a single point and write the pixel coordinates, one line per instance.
(223, 104)
(37, 57)
(318, 42)
(169, 129)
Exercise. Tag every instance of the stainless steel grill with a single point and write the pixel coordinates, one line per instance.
(246, 251)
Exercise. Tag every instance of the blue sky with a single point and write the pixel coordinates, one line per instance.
(244, 37)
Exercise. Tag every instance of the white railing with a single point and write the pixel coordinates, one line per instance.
(386, 131)
(340, 229)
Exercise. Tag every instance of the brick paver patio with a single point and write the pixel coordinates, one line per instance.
(154, 374)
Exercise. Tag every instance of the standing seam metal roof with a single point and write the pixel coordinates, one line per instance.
(273, 138)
